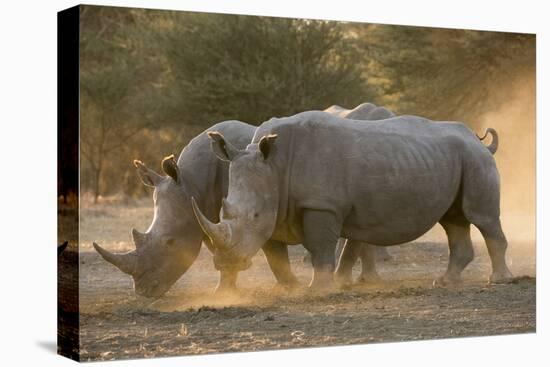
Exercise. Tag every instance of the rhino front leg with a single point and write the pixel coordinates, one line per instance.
(276, 254)
(227, 282)
(321, 232)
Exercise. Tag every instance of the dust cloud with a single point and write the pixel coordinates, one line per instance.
(514, 119)
(515, 122)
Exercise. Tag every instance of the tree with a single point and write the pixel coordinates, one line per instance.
(444, 73)
(113, 73)
(152, 80)
(253, 68)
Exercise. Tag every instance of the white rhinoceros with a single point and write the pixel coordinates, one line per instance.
(314, 177)
(154, 266)
(171, 244)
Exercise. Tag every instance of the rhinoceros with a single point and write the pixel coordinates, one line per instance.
(171, 244)
(314, 177)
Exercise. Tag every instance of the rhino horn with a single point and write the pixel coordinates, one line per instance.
(126, 262)
(219, 234)
(138, 237)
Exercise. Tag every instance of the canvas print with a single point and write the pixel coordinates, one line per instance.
(233, 183)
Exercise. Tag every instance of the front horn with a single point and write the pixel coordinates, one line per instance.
(220, 233)
(126, 262)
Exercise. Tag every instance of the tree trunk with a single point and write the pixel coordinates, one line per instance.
(97, 173)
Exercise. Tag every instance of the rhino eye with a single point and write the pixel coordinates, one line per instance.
(170, 242)
(256, 215)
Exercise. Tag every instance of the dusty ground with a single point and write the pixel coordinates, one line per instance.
(190, 320)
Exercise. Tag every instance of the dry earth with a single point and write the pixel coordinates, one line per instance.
(189, 319)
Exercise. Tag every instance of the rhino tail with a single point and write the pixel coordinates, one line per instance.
(494, 140)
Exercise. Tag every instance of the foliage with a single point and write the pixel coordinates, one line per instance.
(445, 74)
(254, 68)
(114, 83)
(152, 80)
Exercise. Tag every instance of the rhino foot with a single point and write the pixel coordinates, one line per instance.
(281, 288)
(322, 281)
(343, 281)
(503, 277)
(291, 284)
(446, 281)
(225, 290)
(367, 278)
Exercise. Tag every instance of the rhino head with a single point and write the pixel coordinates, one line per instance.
(249, 212)
(171, 244)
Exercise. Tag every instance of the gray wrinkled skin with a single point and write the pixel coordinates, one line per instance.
(314, 177)
(173, 240)
(350, 250)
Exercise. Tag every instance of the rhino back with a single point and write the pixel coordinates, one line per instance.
(337, 111)
(375, 113)
(364, 111)
(398, 177)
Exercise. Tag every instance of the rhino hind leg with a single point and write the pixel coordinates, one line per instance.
(347, 259)
(496, 245)
(321, 232)
(368, 254)
(351, 252)
(481, 207)
(382, 254)
(461, 251)
(276, 254)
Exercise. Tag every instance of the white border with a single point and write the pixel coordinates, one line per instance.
(28, 122)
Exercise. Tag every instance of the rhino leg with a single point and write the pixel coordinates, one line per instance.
(227, 282)
(461, 251)
(368, 254)
(321, 232)
(339, 249)
(382, 254)
(306, 259)
(496, 245)
(481, 207)
(276, 254)
(348, 257)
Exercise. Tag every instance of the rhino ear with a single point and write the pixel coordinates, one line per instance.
(223, 149)
(147, 176)
(170, 167)
(266, 144)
